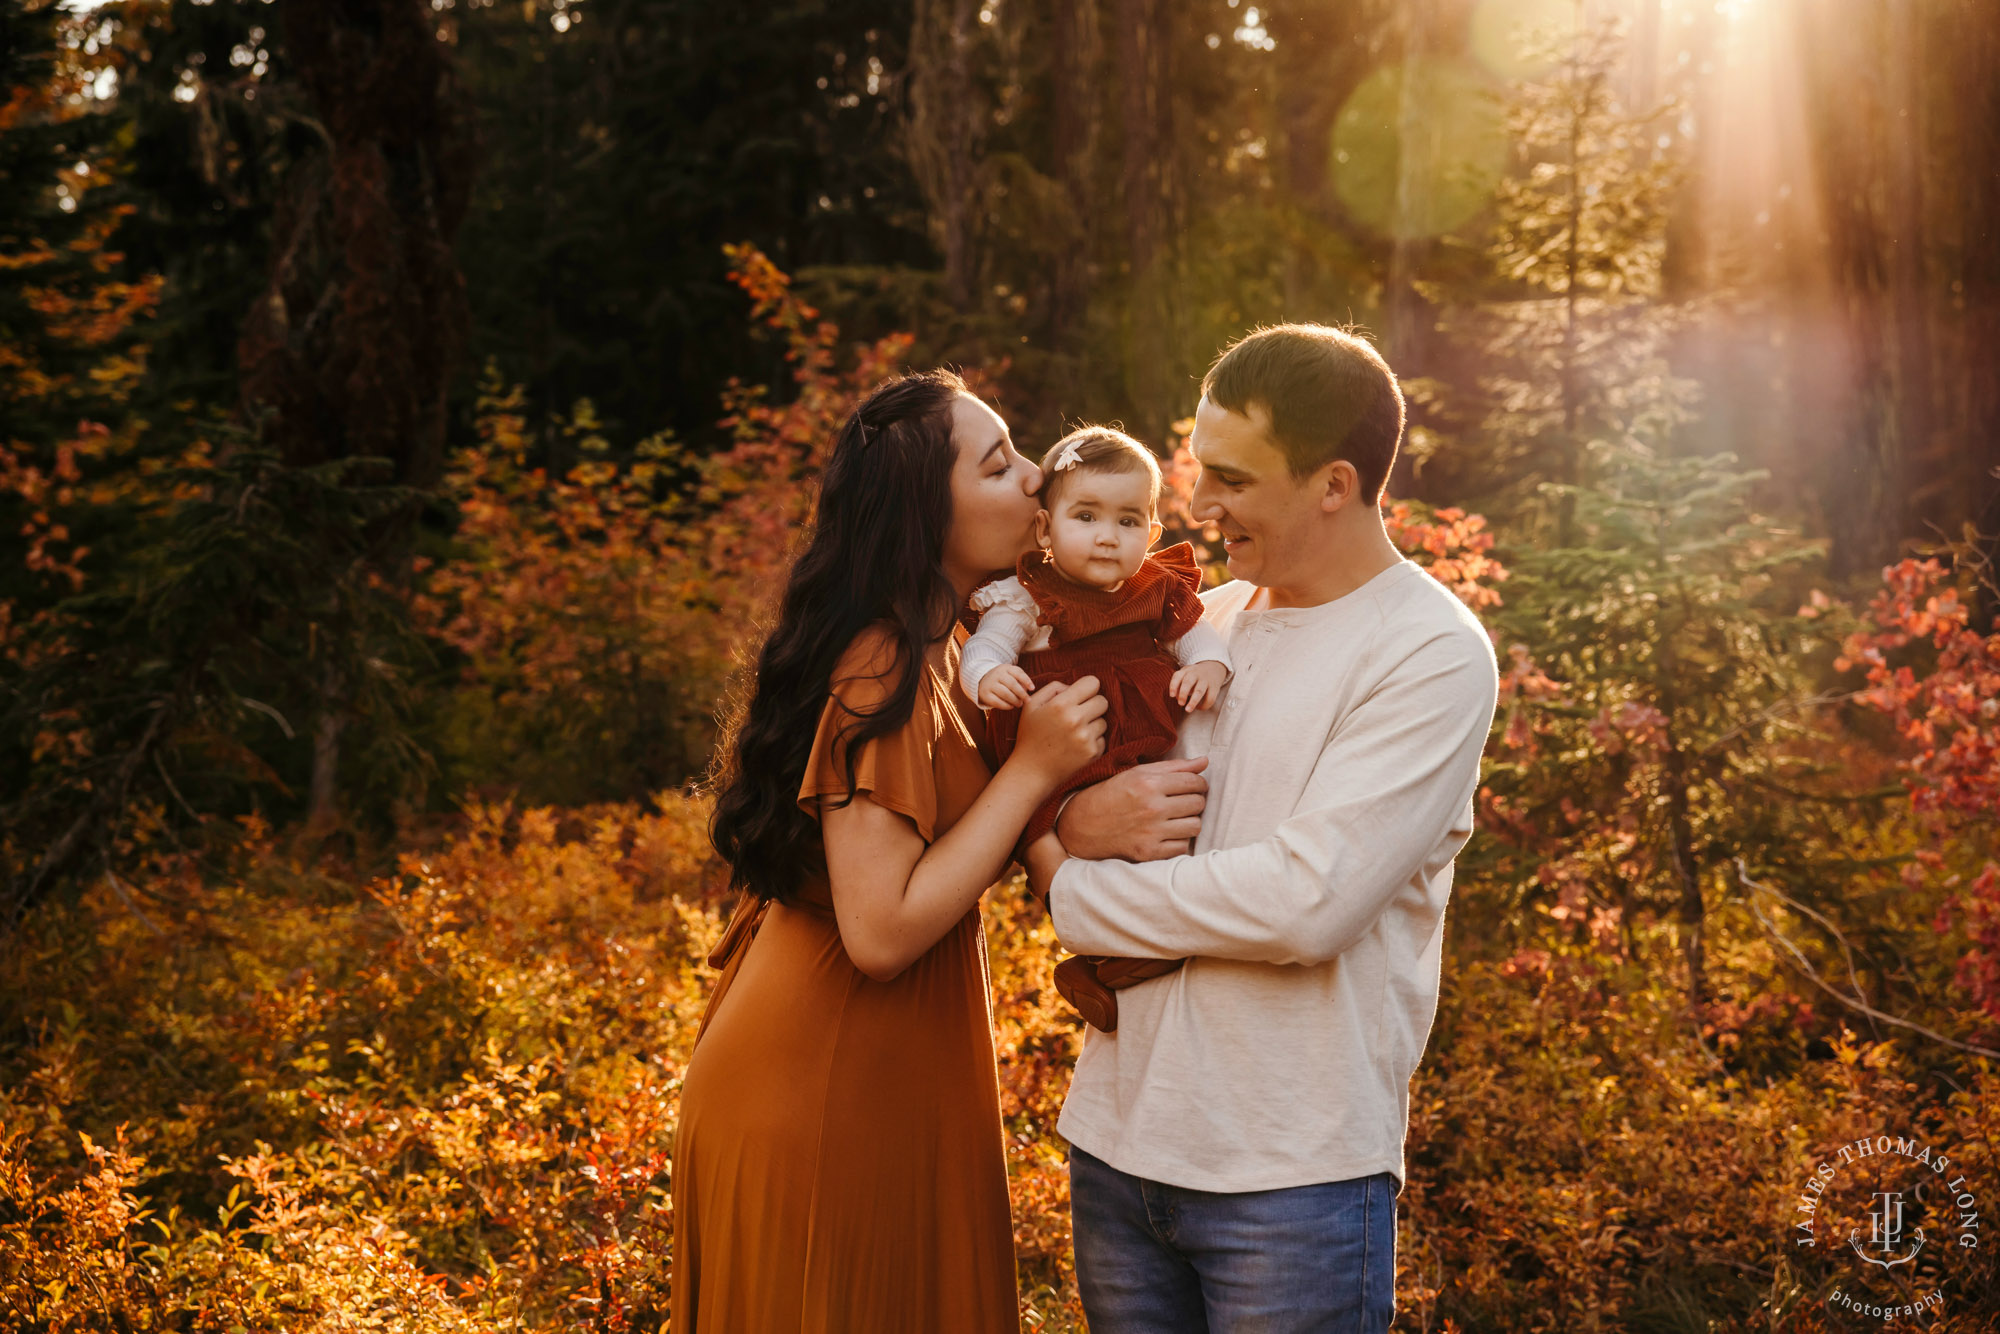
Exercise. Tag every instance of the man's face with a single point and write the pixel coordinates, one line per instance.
(1267, 516)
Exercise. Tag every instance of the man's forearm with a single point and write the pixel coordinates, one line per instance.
(1390, 792)
(1289, 899)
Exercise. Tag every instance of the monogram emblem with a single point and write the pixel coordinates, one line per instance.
(1885, 1232)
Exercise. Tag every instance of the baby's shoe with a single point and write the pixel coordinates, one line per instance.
(1076, 979)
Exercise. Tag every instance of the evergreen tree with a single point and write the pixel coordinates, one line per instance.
(1571, 330)
(1652, 736)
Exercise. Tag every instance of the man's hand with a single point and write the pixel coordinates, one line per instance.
(1147, 812)
(1005, 687)
(1197, 684)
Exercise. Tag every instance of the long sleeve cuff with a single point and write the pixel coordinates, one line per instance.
(1201, 644)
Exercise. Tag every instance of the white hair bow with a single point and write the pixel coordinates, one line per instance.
(1067, 455)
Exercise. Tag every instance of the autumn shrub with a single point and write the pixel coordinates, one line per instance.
(445, 1100)
(601, 613)
(1579, 1161)
(265, 1094)
(448, 1097)
(1934, 674)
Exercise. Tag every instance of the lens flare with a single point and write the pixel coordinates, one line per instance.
(1444, 174)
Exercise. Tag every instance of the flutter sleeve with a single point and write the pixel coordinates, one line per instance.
(1007, 622)
(896, 770)
(1183, 609)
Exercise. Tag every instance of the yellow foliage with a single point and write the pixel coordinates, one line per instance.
(445, 1100)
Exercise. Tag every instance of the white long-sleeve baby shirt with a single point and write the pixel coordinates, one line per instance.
(1009, 625)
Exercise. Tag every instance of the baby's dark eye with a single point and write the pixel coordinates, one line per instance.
(1083, 516)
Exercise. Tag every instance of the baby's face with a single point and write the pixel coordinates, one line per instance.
(1100, 527)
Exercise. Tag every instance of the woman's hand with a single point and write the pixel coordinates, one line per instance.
(1062, 729)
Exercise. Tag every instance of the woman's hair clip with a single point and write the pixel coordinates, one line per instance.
(868, 432)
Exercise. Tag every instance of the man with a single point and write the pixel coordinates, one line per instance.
(1237, 1144)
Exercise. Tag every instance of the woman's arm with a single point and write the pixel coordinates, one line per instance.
(893, 897)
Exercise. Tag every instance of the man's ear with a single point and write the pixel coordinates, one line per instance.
(1158, 529)
(1342, 486)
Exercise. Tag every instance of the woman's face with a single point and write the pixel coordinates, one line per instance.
(993, 503)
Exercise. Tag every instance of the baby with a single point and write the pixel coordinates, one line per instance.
(1091, 602)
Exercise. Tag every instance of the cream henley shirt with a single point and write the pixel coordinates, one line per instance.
(1343, 759)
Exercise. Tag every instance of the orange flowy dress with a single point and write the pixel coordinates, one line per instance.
(840, 1163)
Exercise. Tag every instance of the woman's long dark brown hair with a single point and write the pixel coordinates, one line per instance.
(876, 553)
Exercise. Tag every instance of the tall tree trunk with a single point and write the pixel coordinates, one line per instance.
(1864, 490)
(351, 347)
(1908, 267)
(1414, 161)
(1976, 41)
(1074, 62)
(1323, 53)
(1684, 269)
(1151, 187)
(323, 793)
(942, 135)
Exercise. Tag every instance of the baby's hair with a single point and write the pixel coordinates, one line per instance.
(1097, 449)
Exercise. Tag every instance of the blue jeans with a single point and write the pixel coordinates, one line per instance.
(1159, 1259)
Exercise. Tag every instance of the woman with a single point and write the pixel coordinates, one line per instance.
(839, 1165)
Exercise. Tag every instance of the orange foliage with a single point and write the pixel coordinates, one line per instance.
(451, 1097)
(1578, 1164)
(445, 1100)
(617, 592)
(1945, 702)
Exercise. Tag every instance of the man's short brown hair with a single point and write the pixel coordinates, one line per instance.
(1329, 393)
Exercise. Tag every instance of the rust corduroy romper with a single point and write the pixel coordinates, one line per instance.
(1120, 638)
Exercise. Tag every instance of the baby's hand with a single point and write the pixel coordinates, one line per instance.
(1197, 684)
(1005, 687)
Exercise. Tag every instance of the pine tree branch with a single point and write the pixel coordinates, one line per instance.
(73, 841)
